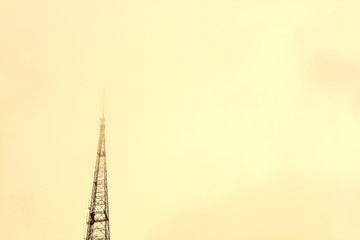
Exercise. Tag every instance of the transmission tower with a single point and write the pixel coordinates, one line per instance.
(98, 219)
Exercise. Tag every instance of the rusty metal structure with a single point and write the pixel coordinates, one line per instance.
(98, 218)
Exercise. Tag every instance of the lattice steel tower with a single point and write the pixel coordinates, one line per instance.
(98, 219)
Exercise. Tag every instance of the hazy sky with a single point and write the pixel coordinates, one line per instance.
(225, 119)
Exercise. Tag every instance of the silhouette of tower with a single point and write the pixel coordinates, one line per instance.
(98, 219)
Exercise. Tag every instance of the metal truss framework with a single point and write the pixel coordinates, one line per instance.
(98, 219)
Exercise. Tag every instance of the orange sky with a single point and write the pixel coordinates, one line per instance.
(225, 119)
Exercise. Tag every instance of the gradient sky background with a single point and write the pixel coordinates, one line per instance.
(225, 119)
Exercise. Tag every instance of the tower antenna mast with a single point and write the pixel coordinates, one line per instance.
(98, 227)
(103, 103)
